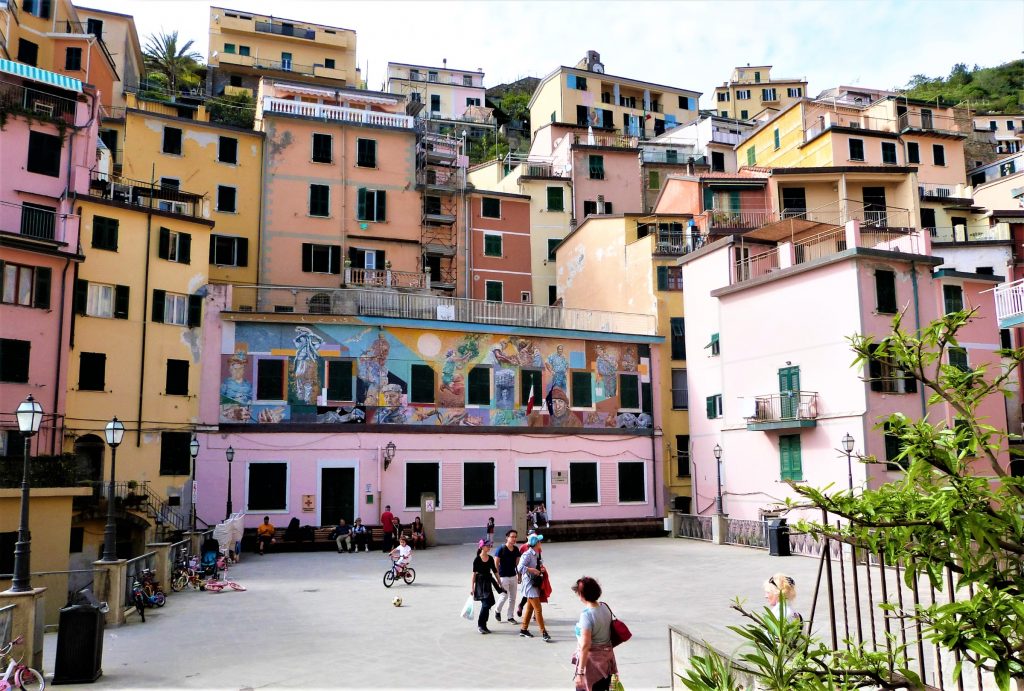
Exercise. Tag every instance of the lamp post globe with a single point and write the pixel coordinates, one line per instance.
(113, 433)
(30, 417)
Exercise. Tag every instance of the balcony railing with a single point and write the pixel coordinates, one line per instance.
(933, 122)
(1010, 304)
(782, 410)
(337, 113)
(734, 219)
(36, 221)
(618, 141)
(967, 234)
(415, 305)
(386, 278)
(677, 242)
(144, 194)
(17, 98)
(681, 156)
(285, 30)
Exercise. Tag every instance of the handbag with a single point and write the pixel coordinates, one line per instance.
(620, 633)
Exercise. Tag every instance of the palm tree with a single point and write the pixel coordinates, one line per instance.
(178, 65)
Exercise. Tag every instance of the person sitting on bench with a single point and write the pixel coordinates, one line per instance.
(342, 535)
(360, 536)
(264, 534)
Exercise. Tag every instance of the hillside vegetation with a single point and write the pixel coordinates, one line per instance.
(988, 89)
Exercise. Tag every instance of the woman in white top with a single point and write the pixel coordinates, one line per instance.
(780, 592)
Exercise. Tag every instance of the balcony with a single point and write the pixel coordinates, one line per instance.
(1010, 304)
(925, 121)
(285, 29)
(617, 141)
(731, 220)
(672, 156)
(781, 411)
(17, 99)
(722, 137)
(128, 192)
(37, 222)
(385, 278)
(960, 234)
(676, 243)
(281, 106)
(394, 304)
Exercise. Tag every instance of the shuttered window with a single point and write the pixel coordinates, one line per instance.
(322, 145)
(582, 391)
(227, 151)
(176, 383)
(790, 462)
(104, 233)
(270, 380)
(751, 156)
(555, 199)
(885, 291)
(339, 380)
(479, 389)
(629, 392)
(366, 153)
(371, 205)
(92, 371)
(319, 200)
(14, 359)
(422, 387)
(678, 329)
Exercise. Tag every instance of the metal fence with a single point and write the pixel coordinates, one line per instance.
(133, 569)
(695, 527)
(747, 533)
(6, 623)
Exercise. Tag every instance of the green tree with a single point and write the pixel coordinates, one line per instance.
(238, 110)
(516, 104)
(178, 65)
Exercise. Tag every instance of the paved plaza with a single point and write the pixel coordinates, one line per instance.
(324, 620)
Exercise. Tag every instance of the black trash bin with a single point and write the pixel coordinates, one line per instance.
(778, 538)
(79, 645)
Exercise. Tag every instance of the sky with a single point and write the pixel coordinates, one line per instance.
(691, 45)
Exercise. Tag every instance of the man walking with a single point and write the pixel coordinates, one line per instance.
(507, 558)
(387, 526)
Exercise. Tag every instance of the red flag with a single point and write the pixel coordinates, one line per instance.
(529, 402)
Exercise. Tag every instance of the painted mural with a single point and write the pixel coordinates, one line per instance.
(354, 374)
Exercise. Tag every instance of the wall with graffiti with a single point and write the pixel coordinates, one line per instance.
(355, 374)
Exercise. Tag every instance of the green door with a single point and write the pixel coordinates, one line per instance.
(789, 392)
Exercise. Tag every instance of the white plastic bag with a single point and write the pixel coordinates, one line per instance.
(467, 609)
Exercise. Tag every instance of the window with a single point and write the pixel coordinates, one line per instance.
(583, 483)
(478, 484)
(14, 357)
(229, 48)
(757, 77)
(1009, 125)
(552, 295)
(416, 97)
(682, 455)
(632, 484)
(582, 391)
(172, 141)
(76, 540)
(893, 448)
(713, 405)
(73, 59)
(680, 390)
(435, 104)
(323, 145)
(174, 246)
(653, 180)
(490, 207)
(176, 383)
(597, 167)
(1005, 341)
(629, 392)
(670, 277)
(320, 200)
(678, 332)
(329, 63)
(371, 205)
(913, 152)
(174, 308)
(421, 389)
(229, 251)
(743, 116)
(366, 153)
(226, 202)
(889, 153)
(28, 52)
(715, 345)
(421, 478)
(885, 292)
(555, 199)
(494, 291)
(472, 102)
(414, 75)
(953, 297)
(100, 300)
(751, 156)
(92, 371)
(790, 464)
(267, 487)
(175, 458)
(777, 139)
(339, 380)
(321, 259)
(467, 80)
(723, 96)
(243, 51)
(794, 92)
(270, 379)
(44, 154)
(28, 286)
(743, 94)
(577, 82)
(432, 76)
(531, 378)
(492, 245)
(938, 154)
(958, 359)
(993, 125)
(104, 233)
(856, 149)
(589, 208)
(553, 244)
(769, 95)
(885, 377)
(479, 386)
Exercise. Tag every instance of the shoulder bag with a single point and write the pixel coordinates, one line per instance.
(620, 633)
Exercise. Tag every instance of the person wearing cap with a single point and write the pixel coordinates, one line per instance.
(532, 577)
(522, 550)
(594, 658)
(561, 415)
(483, 584)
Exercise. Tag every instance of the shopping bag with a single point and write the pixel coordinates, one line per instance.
(467, 609)
(616, 684)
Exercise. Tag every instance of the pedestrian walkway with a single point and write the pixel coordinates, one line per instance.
(324, 620)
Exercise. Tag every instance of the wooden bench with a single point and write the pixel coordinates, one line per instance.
(321, 539)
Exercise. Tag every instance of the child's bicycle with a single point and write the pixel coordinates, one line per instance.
(406, 573)
(19, 676)
(215, 586)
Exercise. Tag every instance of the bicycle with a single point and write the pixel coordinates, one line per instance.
(405, 572)
(215, 586)
(24, 677)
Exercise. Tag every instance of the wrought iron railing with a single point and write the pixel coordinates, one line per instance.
(746, 533)
(739, 218)
(145, 194)
(133, 570)
(285, 30)
(695, 527)
(17, 98)
(978, 233)
(785, 406)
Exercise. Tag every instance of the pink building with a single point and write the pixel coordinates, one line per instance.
(49, 145)
(500, 254)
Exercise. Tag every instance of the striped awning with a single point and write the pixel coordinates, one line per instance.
(20, 69)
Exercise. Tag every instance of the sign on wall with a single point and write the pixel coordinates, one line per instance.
(308, 502)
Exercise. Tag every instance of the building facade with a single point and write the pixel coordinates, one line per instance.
(750, 90)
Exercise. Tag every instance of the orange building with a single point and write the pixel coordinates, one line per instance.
(500, 247)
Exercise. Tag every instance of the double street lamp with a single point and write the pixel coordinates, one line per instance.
(30, 416)
(114, 433)
(718, 494)
(230, 453)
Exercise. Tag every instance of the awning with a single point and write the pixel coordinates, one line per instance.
(20, 69)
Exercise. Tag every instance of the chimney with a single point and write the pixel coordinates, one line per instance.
(689, 166)
(444, 62)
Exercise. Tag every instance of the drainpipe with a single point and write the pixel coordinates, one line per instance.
(654, 468)
(60, 345)
(917, 329)
(145, 316)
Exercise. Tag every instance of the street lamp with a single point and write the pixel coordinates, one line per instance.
(230, 453)
(114, 433)
(193, 451)
(848, 448)
(30, 416)
(718, 463)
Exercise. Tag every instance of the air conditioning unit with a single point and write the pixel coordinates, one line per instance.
(246, 308)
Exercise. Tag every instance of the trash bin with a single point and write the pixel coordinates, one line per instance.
(79, 645)
(778, 538)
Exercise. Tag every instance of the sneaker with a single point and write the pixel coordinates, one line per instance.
(498, 616)
(510, 620)
(483, 629)
(546, 636)
(525, 633)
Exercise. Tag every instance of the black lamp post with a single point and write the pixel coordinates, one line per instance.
(193, 451)
(848, 448)
(718, 495)
(114, 432)
(30, 416)
(230, 453)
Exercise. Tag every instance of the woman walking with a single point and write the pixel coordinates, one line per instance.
(485, 580)
(594, 658)
(532, 578)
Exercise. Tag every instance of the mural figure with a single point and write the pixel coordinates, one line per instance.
(517, 352)
(561, 415)
(341, 415)
(392, 412)
(633, 421)
(451, 381)
(629, 359)
(373, 369)
(606, 369)
(558, 365)
(305, 373)
(505, 388)
(236, 388)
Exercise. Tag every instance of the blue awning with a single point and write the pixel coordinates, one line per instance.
(20, 69)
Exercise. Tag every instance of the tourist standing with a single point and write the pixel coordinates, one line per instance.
(387, 526)
(532, 578)
(594, 658)
(489, 531)
(483, 583)
(507, 559)
(780, 593)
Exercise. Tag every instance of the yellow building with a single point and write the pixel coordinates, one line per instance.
(119, 34)
(604, 254)
(585, 95)
(751, 89)
(245, 46)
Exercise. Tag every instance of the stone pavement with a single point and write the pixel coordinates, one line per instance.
(323, 620)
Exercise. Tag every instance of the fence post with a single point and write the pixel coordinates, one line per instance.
(28, 620)
(110, 588)
(162, 563)
(719, 528)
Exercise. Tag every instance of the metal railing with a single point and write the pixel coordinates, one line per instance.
(677, 242)
(618, 141)
(756, 266)
(35, 221)
(820, 245)
(285, 30)
(739, 218)
(145, 194)
(960, 233)
(746, 533)
(17, 98)
(1009, 300)
(279, 65)
(133, 568)
(933, 122)
(339, 113)
(681, 156)
(695, 527)
(785, 406)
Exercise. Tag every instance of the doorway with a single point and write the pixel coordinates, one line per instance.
(533, 483)
(89, 458)
(337, 495)
(874, 207)
(789, 392)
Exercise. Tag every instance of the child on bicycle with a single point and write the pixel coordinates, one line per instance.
(402, 555)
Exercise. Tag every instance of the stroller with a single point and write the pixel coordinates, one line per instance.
(211, 562)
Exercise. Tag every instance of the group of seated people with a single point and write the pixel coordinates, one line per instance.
(350, 538)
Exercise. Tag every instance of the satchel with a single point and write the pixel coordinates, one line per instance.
(620, 633)
(537, 580)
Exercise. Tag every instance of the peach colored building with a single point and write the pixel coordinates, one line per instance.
(500, 252)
